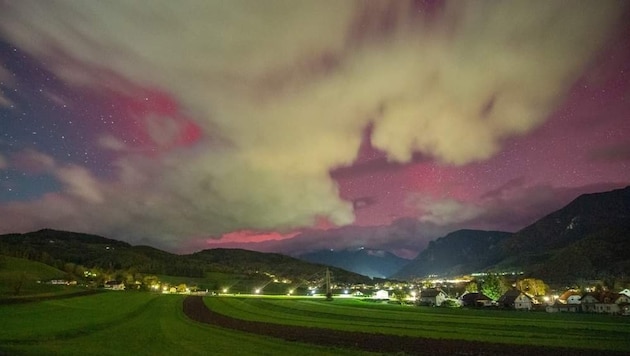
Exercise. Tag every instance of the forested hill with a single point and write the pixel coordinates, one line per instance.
(57, 248)
(587, 239)
(460, 252)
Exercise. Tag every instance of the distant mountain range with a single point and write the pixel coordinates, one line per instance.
(588, 238)
(56, 248)
(368, 262)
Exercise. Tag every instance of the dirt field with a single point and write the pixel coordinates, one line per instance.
(195, 309)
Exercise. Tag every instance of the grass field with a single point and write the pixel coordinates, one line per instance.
(598, 332)
(19, 270)
(152, 324)
(117, 323)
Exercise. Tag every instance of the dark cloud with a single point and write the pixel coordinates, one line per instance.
(616, 153)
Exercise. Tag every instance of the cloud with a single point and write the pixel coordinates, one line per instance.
(32, 162)
(5, 78)
(112, 143)
(79, 182)
(510, 207)
(612, 153)
(447, 211)
(289, 88)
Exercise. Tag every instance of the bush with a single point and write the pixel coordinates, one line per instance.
(451, 303)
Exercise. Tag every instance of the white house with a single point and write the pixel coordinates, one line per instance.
(588, 302)
(570, 297)
(516, 299)
(381, 294)
(432, 297)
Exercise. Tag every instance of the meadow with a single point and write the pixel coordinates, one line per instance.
(19, 279)
(580, 331)
(117, 323)
(154, 324)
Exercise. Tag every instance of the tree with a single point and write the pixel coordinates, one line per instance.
(450, 303)
(532, 286)
(70, 268)
(472, 287)
(17, 279)
(400, 296)
(181, 288)
(493, 286)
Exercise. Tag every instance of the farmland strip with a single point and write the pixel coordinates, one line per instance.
(195, 309)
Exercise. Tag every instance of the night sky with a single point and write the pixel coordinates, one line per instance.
(196, 124)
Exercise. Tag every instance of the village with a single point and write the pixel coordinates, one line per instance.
(480, 291)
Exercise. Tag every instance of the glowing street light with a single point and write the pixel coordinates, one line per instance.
(257, 291)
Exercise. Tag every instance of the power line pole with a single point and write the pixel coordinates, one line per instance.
(328, 287)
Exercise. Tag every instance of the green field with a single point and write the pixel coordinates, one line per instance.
(136, 323)
(583, 331)
(26, 274)
(153, 324)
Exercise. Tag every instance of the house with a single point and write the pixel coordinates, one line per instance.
(613, 303)
(623, 301)
(607, 308)
(432, 297)
(63, 281)
(588, 302)
(560, 307)
(476, 300)
(622, 298)
(570, 297)
(606, 303)
(114, 285)
(381, 294)
(515, 299)
(625, 292)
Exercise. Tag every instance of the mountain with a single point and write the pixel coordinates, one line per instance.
(57, 248)
(460, 252)
(588, 238)
(368, 262)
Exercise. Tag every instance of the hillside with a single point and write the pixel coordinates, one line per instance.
(588, 238)
(21, 276)
(57, 248)
(368, 262)
(252, 262)
(460, 252)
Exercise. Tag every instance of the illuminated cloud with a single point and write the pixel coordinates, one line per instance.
(79, 182)
(447, 211)
(283, 91)
(112, 143)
